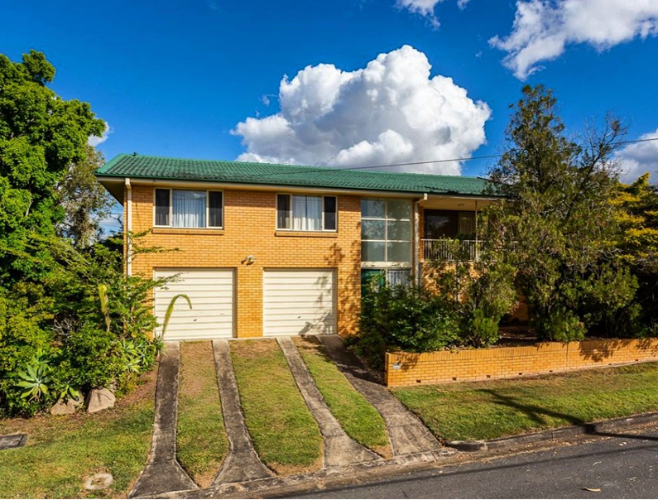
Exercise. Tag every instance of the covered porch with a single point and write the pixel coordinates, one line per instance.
(444, 219)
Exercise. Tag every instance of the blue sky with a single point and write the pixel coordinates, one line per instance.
(174, 78)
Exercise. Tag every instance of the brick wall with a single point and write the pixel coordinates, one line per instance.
(250, 221)
(509, 362)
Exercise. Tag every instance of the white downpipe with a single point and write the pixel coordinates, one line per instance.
(129, 227)
(416, 248)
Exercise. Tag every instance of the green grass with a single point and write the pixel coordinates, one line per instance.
(359, 419)
(201, 442)
(490, 410)
(284, 432)
(63, 451)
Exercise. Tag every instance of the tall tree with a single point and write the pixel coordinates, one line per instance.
(557, 226)
(86, 203)
(41, 136)
(638, 243)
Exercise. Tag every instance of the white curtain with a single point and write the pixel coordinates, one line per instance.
(189, 208)
(307, 213)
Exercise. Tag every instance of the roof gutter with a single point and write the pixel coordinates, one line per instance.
(287, 188)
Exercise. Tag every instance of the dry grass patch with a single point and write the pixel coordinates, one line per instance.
(360, 420)
(285, 434)
(201, 442)
(488, 410)
(62, 452)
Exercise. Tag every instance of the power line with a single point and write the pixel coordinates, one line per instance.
(427, 162)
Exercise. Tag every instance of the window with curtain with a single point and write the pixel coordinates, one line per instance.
(189, 209)
(386, 231)
(306, 213)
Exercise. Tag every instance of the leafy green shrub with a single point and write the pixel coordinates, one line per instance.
(481, 331)
(561, 325)
(86, 326)
(409, 318)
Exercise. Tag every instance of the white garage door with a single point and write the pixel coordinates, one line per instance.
(299, 301)
(211, 293)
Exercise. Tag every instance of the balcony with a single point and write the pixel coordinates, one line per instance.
(446, 249)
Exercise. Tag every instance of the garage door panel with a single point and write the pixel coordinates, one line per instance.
(207, 304)
(297, 302)
(211, 292)
(199, 295)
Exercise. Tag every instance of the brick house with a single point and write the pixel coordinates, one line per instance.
(267, 250)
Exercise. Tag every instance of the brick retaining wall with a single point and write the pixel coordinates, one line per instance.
(508, 362)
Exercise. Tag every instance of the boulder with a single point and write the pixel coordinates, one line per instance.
(99, 399)
(65, 408)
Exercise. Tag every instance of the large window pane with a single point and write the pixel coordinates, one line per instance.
(329, 213)
(373, 251)
(283, 211)
(373, 229)
(440, 224)
(307, 213)
(161, 207)
(398, 209)
(399, 230)
(215, 209)
(373, 209)
(399, 252)
(189, 208)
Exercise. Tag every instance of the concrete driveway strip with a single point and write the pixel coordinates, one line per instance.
(339, 448)
(163, 473)
(406, 432)
(242, 462)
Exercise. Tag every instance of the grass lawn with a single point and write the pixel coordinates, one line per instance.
(284, 432)
(201, 442)
(359, 419)
(62, 452)
(488, 410)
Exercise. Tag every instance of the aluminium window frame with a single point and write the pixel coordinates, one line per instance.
(385, 265)
(290, 215)
(171, 208)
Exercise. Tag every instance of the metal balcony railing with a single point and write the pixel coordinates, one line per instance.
(443, 249)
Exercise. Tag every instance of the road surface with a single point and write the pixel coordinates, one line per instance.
(623, 466)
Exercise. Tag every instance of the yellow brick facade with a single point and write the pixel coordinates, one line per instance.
(250, 229)
(405, 369)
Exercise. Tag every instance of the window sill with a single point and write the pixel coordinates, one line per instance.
(306, 234)
(188, 230)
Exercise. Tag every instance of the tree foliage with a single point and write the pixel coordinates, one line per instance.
(41, 136)
(84, 200)
(638, 244)
(557, 226)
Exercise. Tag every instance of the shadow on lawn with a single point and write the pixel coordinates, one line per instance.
(538, 413)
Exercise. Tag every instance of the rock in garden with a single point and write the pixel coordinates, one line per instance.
(100, 399)
(65, 408)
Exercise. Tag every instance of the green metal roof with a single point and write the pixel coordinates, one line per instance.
(158, 168)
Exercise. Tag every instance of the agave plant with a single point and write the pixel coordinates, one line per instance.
(34, 379)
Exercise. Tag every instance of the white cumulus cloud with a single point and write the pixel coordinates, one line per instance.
(391, 111)
(543, 28)
(639, 158)
(94, 140)
(426, 8)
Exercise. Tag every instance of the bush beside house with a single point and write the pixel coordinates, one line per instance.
(70, 320)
